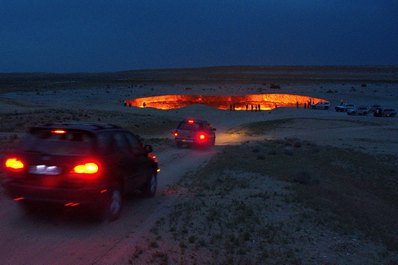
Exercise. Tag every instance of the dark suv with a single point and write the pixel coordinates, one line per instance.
(384, 112)
(80, 164)
(191, 132)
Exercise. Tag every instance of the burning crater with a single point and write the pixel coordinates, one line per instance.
(246, 102)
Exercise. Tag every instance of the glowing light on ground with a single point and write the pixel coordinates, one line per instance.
(245, 102)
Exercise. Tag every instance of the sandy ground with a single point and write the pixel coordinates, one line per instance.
(67, 239)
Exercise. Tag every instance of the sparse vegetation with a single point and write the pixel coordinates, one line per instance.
(255, 211)
(19, 122)
(275, 86)
(258, 128)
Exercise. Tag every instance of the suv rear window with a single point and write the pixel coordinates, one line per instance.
(62, 143)
(189, 126)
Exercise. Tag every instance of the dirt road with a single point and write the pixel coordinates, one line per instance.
(72, 238)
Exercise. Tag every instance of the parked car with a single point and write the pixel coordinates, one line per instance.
(191, 132)
(385, 112)
(344, 107)
(374, 107)
(361, 110)
(321, 105)
(80, 164)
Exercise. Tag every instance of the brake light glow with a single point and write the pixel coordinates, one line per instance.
(71, 204)
(175, 134)
(86, 168)
(58, 131)
(202, 136)
(191, 121)
(153, 157)
(14, 164)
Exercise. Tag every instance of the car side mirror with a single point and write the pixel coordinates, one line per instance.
(148, 148)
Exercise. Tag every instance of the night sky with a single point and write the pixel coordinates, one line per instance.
(113, 35)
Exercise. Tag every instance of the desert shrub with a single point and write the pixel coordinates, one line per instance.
(302, 177)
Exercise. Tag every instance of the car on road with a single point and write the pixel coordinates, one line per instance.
(194, 133)
(79, 164)
(361, 110)
(321, 105)
(374, 107)
(385, 112)
(344, 107)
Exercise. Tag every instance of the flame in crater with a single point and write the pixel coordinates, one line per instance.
(245, 102)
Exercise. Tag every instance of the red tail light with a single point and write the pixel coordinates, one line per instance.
(153, 157)
(71, 204)
(58, 131)
(202, 136)
(14, 164)
(86, 168)
(191, 121)
(175, 134)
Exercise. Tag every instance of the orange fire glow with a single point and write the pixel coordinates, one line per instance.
(245, 102)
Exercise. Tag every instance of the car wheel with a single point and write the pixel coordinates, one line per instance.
(150, 186)
(178, 144)
(209, 144)
(112, 206)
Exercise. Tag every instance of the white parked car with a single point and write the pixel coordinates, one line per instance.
(361, 110)
(321, 105)
(344, 107)
(374, 107)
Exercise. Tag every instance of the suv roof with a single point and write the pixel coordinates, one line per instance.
(195, 121)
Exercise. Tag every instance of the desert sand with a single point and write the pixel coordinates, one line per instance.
(187, 223)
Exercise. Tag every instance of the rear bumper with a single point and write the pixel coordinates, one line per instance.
(184, 140)
(86, 195)
(193, 140)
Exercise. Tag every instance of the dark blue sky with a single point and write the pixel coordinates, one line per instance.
(99, 35)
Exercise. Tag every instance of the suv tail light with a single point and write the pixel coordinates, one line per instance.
(86, 171)
(14, 164)
(58, 131)
(202, 136)
(153, 157)
(86, 168)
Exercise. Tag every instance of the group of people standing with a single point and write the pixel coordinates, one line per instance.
(306, 105)
(251, 107)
